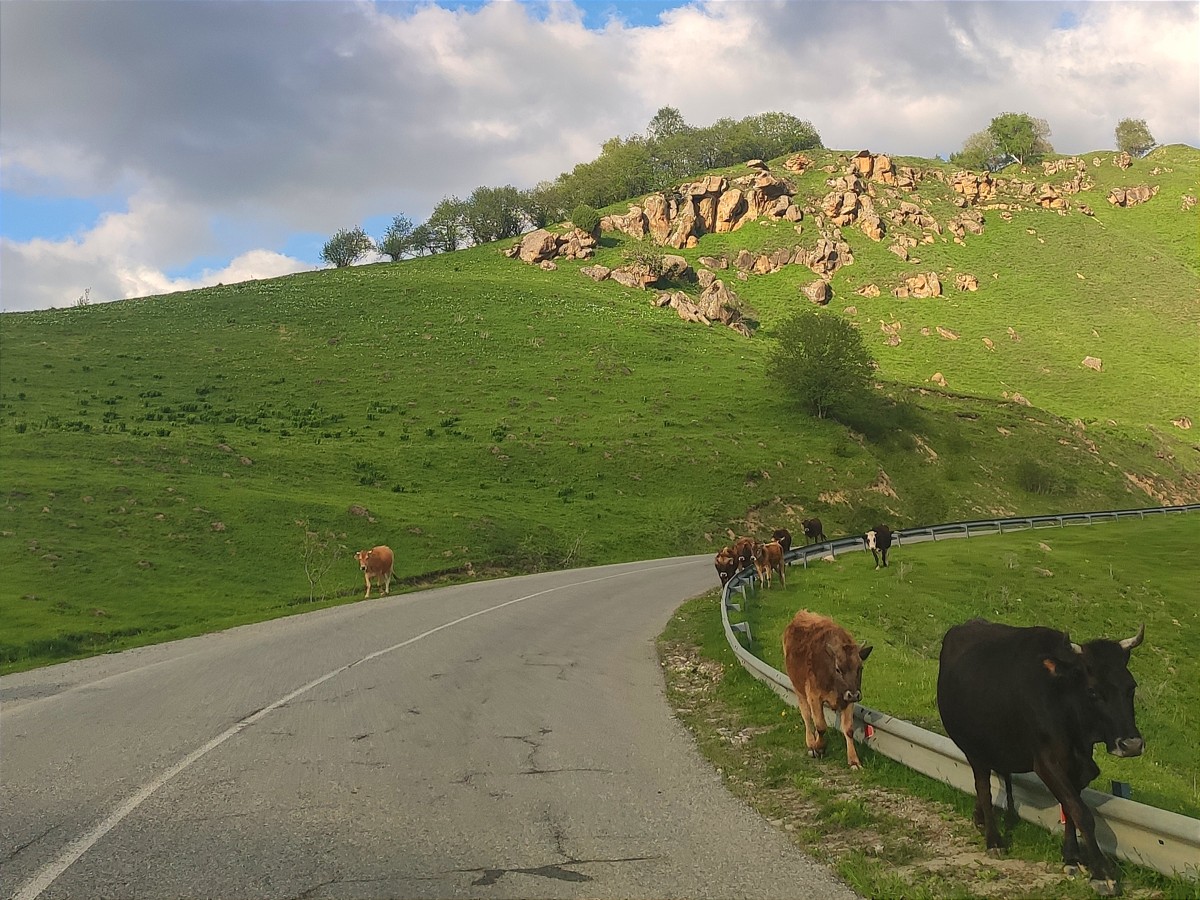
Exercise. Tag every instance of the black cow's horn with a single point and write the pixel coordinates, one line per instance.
(1130, 643)
(1076, 647)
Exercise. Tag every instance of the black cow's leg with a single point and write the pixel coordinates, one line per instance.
(985, 815)
(1079, 817)
(1010, 815)
(884, 552)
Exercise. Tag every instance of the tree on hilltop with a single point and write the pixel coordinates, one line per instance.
(347, 247)
(397, 241)
(667, 122)
(491, 214)
(979, 152)
(445, 228)
(1134, 138)
(1020, 137)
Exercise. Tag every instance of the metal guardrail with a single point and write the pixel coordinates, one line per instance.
(1164, 841)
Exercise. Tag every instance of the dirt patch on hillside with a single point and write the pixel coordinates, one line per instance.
(918, 847)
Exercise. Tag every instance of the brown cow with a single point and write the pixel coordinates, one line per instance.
(376, 563)
(768, 558)
(743, 551)
(726, 564)
(825, 666)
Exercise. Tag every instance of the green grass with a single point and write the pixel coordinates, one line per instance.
(1104, 580)
(162, 459)
(1096, 581)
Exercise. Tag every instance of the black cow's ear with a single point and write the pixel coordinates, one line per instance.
(1051, 665)
(864, 652)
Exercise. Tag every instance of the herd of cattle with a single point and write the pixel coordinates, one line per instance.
(1012, 699)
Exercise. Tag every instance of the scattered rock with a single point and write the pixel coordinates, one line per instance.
(1092, 363)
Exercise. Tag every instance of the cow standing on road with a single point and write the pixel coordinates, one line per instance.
(376, 563)
(825, 667)
(879, 541)
(726, 564)
(1029, 700)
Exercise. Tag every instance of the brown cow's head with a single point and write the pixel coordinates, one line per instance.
(847, 658)
(363, 556)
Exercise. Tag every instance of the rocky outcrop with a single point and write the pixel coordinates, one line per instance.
(1132, 196)
(965, 282)
(919, 286)
(542, 246)
(973, 187)
(717, 304)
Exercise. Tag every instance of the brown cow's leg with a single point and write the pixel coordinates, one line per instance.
(810, 735)
(848, 731)
(816, 746)
(367, 579)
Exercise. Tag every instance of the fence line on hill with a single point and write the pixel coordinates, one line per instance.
(1164, 841)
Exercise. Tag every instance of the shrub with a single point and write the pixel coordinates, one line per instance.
(819, 359)
(347, 247)
(585, 218)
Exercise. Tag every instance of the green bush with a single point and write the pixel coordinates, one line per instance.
(819, 359)
(585, 218)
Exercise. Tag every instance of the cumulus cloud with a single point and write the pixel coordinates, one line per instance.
(231, 126)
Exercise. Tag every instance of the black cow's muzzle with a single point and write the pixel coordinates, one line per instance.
(852, 696)
(1128, 747)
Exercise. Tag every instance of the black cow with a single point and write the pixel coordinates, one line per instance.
(812, 530)
(784, 537)
(879, 541)
(1029, 700)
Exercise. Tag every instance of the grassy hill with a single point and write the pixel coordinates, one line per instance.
(188, 462)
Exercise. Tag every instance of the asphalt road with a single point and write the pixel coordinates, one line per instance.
(499, 739)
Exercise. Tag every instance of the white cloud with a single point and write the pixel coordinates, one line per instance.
(231, 126)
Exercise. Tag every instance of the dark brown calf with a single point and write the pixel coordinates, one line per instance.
(825, 667)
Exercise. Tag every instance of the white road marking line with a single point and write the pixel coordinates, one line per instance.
(81, 845)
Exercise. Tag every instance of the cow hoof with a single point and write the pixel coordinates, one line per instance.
(1071, 869)
(995, 852)
(855, 767)
(1106, 888)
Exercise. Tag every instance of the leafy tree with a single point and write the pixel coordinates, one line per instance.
(979, 152)
(543, 204)
(447, 231)
(421, 241)
(667, 122)
(820, 360)
(491, 214)
(397, 240)
(1134, 138)
(347, 247)
(1021, 137)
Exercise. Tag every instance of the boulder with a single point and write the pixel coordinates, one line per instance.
(538, 246)
(818, 292)
(596, 273)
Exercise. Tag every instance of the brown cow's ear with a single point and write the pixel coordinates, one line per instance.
(864, 652)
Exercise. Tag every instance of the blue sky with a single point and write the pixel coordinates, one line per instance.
(157, 146)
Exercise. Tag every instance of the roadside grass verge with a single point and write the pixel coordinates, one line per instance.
(888, 830)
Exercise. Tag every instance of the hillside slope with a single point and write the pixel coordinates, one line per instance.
(186, 462)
